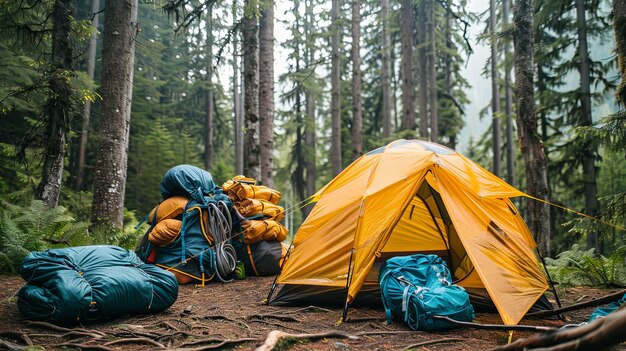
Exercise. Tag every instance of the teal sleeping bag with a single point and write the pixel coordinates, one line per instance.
(415, 288)
(91, 283)
(602, 312)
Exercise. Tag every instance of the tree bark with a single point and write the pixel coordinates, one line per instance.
(91, 67)
(619, 27)
(251, 89)
(408, 107)
(266, 91)
(335, 98)
(432, 74)
(238, 118)
(58, 108)
(589, 150)
(495, 90)
(120, 30)
(423, 71)
(508, 103)
(386, 69)
(208, 125)
(530, 143)
(310, 96)
(357, 114)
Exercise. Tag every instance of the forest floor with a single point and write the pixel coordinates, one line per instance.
(211, 315)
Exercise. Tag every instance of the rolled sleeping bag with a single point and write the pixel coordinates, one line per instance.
(258, 230)
(165, 232)
(169, 208)
(252, 207)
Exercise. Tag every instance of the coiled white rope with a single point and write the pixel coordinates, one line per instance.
(220, 226)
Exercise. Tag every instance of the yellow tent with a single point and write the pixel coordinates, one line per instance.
(410, 197)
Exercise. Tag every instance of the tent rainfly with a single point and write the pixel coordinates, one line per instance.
(411, 197)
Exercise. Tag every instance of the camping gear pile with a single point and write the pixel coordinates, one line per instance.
(417, 287)
(199, 231)
(91, 283)
(411, 197)
(258, 218)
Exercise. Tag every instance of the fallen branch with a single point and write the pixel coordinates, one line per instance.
(598, 335)
(496, 326)
(595, 302)
(432, 342)
(275, 335)
(136, 341)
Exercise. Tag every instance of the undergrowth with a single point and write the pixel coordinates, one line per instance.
(581, 267)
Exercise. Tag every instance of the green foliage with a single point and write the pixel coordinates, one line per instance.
(579, 267)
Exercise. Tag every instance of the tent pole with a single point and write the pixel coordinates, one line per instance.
(269, 296)
(545, 267)
(344, 316)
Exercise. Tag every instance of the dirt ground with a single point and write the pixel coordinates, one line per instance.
(203, 317)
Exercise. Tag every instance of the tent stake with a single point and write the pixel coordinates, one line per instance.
(344, 316)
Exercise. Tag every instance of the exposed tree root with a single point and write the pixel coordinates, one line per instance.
(50, 326)
(6, 345)
(311, 308)
(496, 326)
(220, 344)
(599, 335)
(85, 346)
(281, 317)
(136, 341)
(432, 342)
(18, 336)
(275, 335)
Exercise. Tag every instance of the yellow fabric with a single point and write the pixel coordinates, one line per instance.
(258, 230)
(240, 188)
(365, 213)
(165, 232)
(251, 207)
(169, 208)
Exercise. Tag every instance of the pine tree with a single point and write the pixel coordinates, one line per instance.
(408, 110)
(266, 91)
(335, 80)
(250, 46)
(357, 112)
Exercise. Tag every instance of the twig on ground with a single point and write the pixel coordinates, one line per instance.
(281, 317)
(277, 325)
(311, 308)
(218, 345)
(135, 341)
(432, 342)
(495, 326)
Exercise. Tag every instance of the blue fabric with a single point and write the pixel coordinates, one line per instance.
(187, 180)
(92, 283)
(417, 287)
(601, 312)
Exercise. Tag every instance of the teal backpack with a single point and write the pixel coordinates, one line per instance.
(416, 288)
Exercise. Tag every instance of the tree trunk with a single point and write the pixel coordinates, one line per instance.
(335, 98)
(118, 52)
(91, 67)
(423, 71)
(386, 69)
(237, 98)
(357, 114)
(531, 145)
(251, 88)
(619, 27)
(310, 125)
(408, 109)
(266, 91)
(508, 103)
(208, 137)
(495, 90)
(432, 74)
(58, 108)
(589, 150)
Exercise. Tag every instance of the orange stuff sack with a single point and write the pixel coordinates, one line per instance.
(170, 208)
(259, 230)
(240, 188)
(251, 207)
(165, 232)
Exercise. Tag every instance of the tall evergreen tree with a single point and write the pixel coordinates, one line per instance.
(250, 46)
(120, 30)
(208, 124)
(495, 90)
(357, 112)
(266, 91)
(335, 81)
(530, 143)
(386, 69)
(408, 110)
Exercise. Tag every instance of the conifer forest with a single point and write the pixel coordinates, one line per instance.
(99, 98)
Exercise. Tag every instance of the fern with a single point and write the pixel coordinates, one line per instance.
(579, 267)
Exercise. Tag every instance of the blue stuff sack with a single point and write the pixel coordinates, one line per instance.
(602, 312)
(415, 288)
